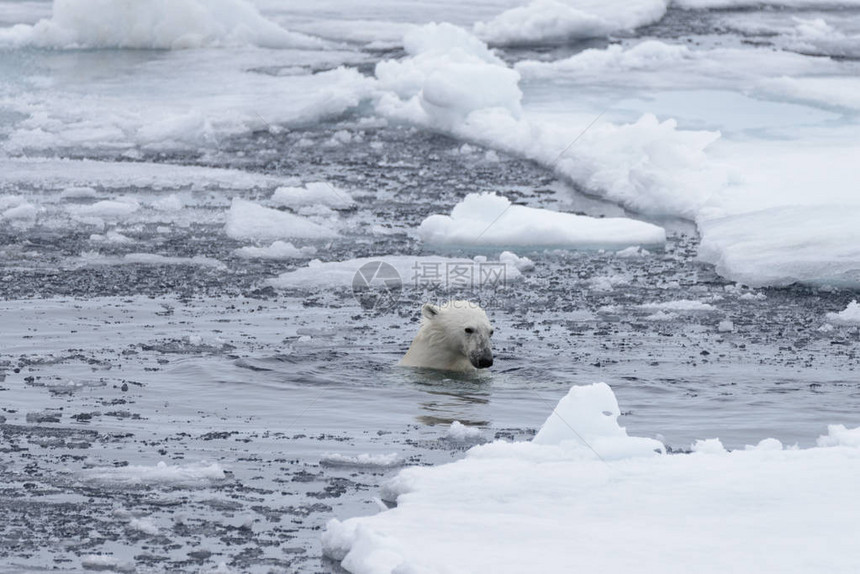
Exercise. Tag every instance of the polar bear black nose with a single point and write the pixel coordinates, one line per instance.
(484, 361)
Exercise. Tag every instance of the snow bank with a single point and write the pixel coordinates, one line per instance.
(553, 21)
(430, 271)
(154, 24)
(314, 193)
(557, 504)
(189, 475)
(850, 316)
(247, 220)
(489, 219)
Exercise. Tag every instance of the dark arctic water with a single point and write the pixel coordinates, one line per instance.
(126, 366)
(108, 370)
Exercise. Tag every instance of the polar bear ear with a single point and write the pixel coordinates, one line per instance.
(429, 310)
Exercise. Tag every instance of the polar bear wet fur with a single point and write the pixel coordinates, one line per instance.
(454, 336)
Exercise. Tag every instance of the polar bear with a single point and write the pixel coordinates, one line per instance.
(454, 336)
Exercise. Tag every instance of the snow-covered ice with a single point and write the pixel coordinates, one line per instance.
(154, 24)
(314, 193)
(247, 220)
(553, 21)
(849, 316)
(462, 433)
(489, 219)
(277, 250)
(387, 460)
(187, 475)
(585, 495)
(430, 270)
(684, 305)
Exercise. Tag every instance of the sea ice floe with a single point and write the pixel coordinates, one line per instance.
(592, 498)
(247, 220)
(405, 270)
(492, 220)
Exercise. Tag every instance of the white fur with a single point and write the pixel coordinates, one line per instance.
(443, 342)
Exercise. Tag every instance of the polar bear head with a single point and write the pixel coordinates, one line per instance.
(454, 336)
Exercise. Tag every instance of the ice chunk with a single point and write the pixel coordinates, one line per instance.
(277, 250)
(766, 444)
(105, 562)
(553, 21)
(843, 92)
(389, 460)
(111, 236)
(450, 74)
(106, 209)
(22, 212)
(162, 473)
(661, 316)
(170, 203)
(849, 316)
(94, 258)
(78, 192)
(838, 435)
(79, 176)
(250, 221)
(314, 193)
(489, 219)
(683, 305)
(145, 525)
(431, 270)
(632, 252)
(588, 418)
(462, 433)
(521, 263)
(154, 24)
(709, 446)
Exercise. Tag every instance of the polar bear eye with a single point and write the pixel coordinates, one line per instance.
(492, 331)
(469, 330)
